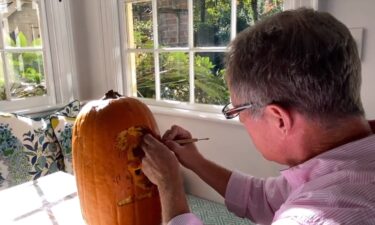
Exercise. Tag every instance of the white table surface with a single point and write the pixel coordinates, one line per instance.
(50, 200)
(53, 200)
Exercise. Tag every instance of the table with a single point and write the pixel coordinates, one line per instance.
(53, 200)
(49, 200)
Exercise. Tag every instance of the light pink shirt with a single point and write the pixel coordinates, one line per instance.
(335, 187)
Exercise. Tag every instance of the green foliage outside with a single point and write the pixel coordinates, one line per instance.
(250, 11)
(2, 89)
(212, 20)
(143, 31)
(174, 76)
(210, 87)
(27, 69)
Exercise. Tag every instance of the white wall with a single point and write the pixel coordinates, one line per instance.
(88, 42)
(359, 14)
(95, 33)
(229, 144)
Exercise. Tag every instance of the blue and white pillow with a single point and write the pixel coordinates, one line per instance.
(29, 148)
(62, 125)
(63, 129)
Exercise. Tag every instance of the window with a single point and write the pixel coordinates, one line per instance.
(36, 55)
(23, 76)
(175, 49)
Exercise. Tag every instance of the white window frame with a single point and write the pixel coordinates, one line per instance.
(129, 77)
(59, 61)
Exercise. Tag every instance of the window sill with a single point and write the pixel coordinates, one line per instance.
(27, 105)
(39, 110)
(193, 114)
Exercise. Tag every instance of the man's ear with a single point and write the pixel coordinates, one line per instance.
(279, 117)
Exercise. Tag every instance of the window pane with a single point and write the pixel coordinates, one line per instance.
(212, 22)
(21, 24)
(250, 11)
(26, 74)
(209, 70)
(174, 76)
(140, 32)
(173, 23)
(2, 81)
(145, 73)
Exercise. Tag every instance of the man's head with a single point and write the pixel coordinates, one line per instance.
(301, 59)
(297, 68)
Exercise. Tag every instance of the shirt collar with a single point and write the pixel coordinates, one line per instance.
(344, 156)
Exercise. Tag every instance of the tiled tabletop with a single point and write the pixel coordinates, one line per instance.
(53, 200)
(49, 200)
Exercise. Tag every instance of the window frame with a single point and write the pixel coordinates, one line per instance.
(13, 104)
(58, 57)
(191, 105)
(191, 50)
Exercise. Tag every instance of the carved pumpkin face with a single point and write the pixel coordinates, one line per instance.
(107, 163)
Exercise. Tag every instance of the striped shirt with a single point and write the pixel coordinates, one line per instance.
(335, 187)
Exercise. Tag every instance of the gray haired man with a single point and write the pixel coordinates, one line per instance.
(294, 80)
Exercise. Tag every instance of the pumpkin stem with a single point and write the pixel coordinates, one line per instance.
(111, 95)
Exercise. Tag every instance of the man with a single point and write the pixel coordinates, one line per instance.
(294, 80)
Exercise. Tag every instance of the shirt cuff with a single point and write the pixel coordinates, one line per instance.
(237, 193)
(185, 219)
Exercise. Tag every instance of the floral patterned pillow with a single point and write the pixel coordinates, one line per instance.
(63, 127)
(28, 147)
(28, 150)
(70, 110)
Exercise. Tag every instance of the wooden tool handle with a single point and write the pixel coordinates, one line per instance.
(191, 140)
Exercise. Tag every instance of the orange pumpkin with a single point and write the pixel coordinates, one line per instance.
(107, 163)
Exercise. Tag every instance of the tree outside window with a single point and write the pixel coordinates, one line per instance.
(22, 63)
(211, 30)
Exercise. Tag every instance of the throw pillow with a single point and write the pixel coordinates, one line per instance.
(29, 148)
(62, 127)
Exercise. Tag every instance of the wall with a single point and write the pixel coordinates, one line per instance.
(229, 144)
(172, 19)
(359, 14)
(88, 42)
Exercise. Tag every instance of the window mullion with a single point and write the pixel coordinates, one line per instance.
(233, 20)
(191, 52)
(126, 14)
(5, 64)
(46, 22)
(156, 46)
(23, 49)
(6, 79)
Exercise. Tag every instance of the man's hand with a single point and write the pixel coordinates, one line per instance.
(160, 165)
(187, 154)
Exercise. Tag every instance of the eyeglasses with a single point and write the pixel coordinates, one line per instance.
(231, 112)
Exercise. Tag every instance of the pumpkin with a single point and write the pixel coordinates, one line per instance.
(111, 187)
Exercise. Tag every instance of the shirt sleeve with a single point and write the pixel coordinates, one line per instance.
(185, 219)
(255, 198)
